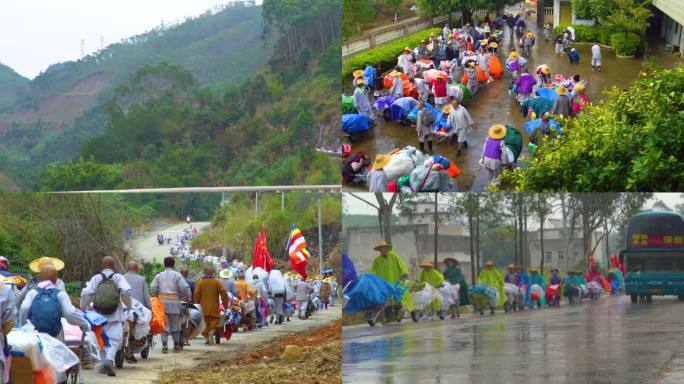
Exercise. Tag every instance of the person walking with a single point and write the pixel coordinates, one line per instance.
(454, 275)
(171, 288)
(562, 106)
(210, 294)
(491, 276)
(405, 61)
(425, 124)
(302, 291)
(139, 290)
(460, 122)
(493, 152)
(596, 58)
(108, 290)
(389, 266)
(8, 315)
(277, 285)
(228, 281)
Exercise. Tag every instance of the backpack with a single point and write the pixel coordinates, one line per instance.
(369, 74)
(46, 312)
(348, 105)
(106, 297)
(427, 118)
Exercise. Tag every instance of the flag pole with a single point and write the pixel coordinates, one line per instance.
(320, 238)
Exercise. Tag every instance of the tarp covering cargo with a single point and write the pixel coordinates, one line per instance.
(355, 123)
(371, 291)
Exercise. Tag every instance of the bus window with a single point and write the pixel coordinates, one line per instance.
(655, 263)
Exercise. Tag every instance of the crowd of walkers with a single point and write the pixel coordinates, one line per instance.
(119, 314)
(388, 291)
(431, 83)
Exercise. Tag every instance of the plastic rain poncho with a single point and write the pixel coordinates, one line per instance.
(454, 276)
(494, 279)
(434, 278)
(392, 268)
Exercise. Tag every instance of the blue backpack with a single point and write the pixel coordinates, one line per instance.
(369, 74)
(46, 313)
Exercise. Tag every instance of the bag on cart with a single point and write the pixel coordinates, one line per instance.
(159, 320)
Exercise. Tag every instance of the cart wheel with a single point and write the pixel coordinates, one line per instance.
(145, 352)
(119, 359)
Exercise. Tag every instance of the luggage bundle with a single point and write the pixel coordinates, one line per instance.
(370, 292)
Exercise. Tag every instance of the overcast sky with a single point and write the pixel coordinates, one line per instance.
(37, 33)
(355, 206)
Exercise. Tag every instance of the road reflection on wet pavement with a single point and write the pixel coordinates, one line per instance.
(608, 341)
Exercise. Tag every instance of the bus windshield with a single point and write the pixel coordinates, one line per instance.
(655, 262)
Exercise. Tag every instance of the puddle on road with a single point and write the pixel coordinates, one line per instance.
(493, 105)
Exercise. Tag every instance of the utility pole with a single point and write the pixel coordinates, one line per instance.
(436, 229)
(320, 238)
(256, 204)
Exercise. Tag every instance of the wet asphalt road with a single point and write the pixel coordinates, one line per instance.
(607, 341)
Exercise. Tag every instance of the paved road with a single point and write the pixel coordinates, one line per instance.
(608, 341)
(146, 248)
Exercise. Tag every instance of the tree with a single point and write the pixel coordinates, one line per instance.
(354, 13)
(542, 206)
(385, 210)
(630, 16)
(626, 143)
(396, 5)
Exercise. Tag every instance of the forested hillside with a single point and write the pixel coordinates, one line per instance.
(13, 87)
(69, 103)
(164, 129)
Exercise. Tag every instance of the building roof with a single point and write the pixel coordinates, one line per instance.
(672, 8)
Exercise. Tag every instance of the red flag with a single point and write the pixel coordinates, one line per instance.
(299, 267)
(262, 257)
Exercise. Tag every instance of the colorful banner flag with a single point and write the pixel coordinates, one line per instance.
(298, 251)
(262, 257)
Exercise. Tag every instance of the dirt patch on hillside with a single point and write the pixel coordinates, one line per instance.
(322, 362)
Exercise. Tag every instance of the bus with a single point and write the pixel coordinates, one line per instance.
(654, 255)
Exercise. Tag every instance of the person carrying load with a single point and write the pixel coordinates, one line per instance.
(492, 277)
(108, 289)
(432, 276)
(389, 266)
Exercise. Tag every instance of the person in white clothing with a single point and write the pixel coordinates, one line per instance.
(460, 121)
(596, 58)
(114, 326)
(405, 61)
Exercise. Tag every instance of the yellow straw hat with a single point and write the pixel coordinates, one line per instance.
(497, 132)
(447, 109)
(513, 55)
(381, 244)
(489, 263)
(562, 90)
(361, 81)
(546, 70)
(395, 73)
(493, 44)
(381, 161)
(407, 49)
(426, 264)
(511, 266)
(226, 274)
(580, 87)
(39, 262)
(440, 75)
(358, 73)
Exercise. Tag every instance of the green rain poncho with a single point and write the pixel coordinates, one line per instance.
(454, 276)
(434, 278)
(392, 268)
(494, 279)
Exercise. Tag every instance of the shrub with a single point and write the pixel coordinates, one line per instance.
(384, 55)
(625, 44)
(630, 142)
(582, 9)
(583, 33)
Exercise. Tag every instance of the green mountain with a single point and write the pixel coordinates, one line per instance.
(166, 126)
(47, 120)
(13, 88)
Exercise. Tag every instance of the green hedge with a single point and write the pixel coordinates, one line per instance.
(384, 55)
(586, 34)
(625, 44)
